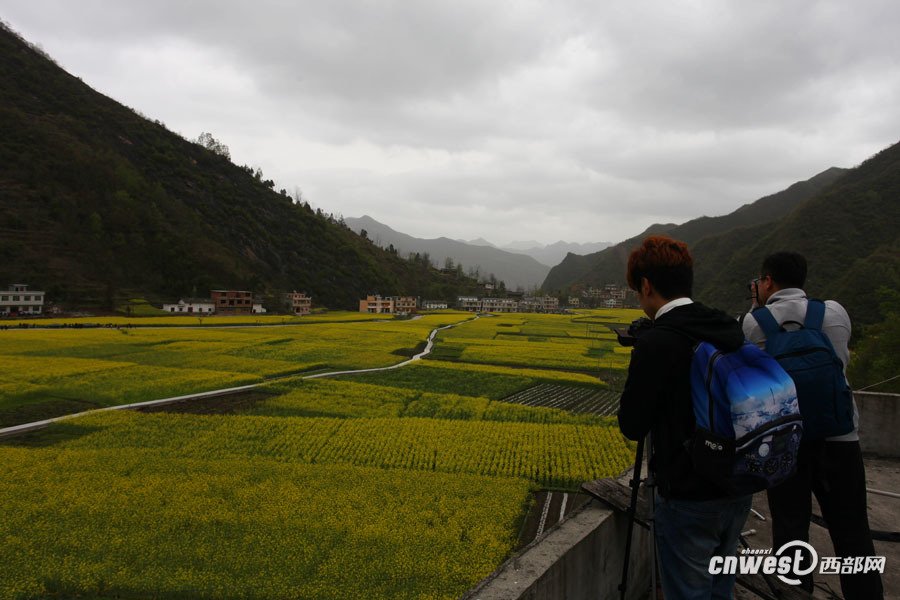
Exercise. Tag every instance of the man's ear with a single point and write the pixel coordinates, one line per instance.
(646, 287)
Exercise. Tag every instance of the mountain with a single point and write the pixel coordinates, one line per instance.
(553, 254)
(522, 245)
(516, 270)
(608, 266)
(478, 242)
(99, 204)
(849, 232)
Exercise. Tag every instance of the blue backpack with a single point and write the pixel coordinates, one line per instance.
(748, 423)
(808, 356)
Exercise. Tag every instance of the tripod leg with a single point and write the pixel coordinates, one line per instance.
(654, 559)
(635, 486)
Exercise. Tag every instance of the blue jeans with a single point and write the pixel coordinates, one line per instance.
(688, 534)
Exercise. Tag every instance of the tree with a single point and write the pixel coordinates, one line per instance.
(875, 361)
(207, 140)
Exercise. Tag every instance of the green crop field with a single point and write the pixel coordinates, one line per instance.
(407, 483)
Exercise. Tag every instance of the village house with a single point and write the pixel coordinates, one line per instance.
(468, 303)
(189, 306)
(405, 305)
(18, 300)
(540, 304)
(434, 305)
(396, 305)
(298, 303)
(232, 302)
(610, 295)
(499, 305)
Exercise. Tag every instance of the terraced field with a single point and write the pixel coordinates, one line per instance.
(569, 398)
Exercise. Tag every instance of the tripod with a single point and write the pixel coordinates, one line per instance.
(635, 485)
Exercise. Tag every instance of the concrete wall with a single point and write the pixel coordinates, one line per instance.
(579, 559)
(879, 423)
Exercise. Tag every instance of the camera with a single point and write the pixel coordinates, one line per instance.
(628, 336)
(753, 288)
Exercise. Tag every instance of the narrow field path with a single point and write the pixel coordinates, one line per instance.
(28, 427)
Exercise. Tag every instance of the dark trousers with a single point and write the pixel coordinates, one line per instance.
(834, 472)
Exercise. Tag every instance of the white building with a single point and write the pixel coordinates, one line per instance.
(540, 304)
(191, 306)
(499, 305)
(258, 309)
(434, 305)
(19, 300)
(469, 303)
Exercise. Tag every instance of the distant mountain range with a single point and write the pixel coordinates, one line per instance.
(546, 254)
(553, 254)
(515, 269)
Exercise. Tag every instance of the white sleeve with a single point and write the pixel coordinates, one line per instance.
(753, 332)
(837, 327)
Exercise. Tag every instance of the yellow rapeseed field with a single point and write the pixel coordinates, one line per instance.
(402, 484)
(51, 372)
(142, 524)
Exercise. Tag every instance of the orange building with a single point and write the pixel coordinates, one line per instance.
(396, 305)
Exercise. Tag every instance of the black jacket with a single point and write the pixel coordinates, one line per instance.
(657, 394)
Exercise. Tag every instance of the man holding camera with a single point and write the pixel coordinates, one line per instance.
(831, 467)
(694, 521)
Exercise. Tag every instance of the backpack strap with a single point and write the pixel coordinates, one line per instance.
(766, 321)
(815, 315)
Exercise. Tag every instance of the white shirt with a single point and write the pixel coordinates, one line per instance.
(789, 304)
(670, 305)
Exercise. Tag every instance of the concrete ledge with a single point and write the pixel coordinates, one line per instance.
(879, 421)
(579, 559)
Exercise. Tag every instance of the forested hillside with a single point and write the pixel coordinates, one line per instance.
(98, 203)
(849, 232)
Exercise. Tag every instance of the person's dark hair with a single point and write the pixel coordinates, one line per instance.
(787, 269)
(666, 263)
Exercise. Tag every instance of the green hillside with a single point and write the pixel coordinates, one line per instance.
(849, 232)
(99, 204)
(608, 266)
(846, 222)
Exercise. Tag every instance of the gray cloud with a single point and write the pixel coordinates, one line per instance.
(581, 121)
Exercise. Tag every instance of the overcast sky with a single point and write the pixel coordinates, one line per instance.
(582, 121)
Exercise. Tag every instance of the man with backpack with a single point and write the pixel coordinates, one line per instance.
(694, 520)
(809, 338)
